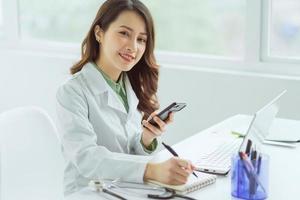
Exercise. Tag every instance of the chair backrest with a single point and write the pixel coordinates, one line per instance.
(31, 161)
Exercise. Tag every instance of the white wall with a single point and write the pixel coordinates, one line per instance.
(30, 80)
(214, 96)
(211, 95)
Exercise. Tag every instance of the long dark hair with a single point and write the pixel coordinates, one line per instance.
(144, 75)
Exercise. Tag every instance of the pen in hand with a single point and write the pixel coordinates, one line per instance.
(174, 154)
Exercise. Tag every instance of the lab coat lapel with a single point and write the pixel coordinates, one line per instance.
(114, 102)
(131, 97)
(99, 86)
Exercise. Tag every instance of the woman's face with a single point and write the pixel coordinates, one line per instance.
(124, 42)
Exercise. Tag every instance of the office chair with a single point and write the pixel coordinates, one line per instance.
(31, 161)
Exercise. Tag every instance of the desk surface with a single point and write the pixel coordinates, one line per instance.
(284, 163)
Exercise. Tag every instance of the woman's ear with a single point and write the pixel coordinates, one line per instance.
(98, 33)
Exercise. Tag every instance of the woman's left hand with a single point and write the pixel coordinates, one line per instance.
(150, 131)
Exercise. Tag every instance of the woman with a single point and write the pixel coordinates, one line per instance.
(103, 110)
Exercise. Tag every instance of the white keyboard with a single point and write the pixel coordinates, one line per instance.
(219, 160)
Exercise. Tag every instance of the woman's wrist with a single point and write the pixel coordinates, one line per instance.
(146, 140)
(149, 172)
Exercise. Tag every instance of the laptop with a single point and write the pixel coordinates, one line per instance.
(263, 132)
(218, 161)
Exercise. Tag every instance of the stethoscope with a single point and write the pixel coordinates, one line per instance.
(166, 193)
(169, 194)
(101, 187)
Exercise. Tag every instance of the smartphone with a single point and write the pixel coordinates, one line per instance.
(164, 114)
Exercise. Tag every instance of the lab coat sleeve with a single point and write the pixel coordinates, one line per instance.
(139, 147)
(79, 142)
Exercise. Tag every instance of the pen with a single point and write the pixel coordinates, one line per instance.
(174, 154)
(249, 169)
(259, 163)
(252, 183)
(248, 147)
(237, 134)
(253, 156)
(258, 168)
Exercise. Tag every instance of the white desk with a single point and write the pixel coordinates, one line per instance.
(284, 180)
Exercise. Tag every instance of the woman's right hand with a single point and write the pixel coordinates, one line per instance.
(174, 171)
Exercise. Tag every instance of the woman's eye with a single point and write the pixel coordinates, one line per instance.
(124, 33)
(142, 40)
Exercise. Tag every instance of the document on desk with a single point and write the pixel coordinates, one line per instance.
(193, 183)
(288, 133)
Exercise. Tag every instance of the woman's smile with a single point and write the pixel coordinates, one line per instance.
(128, 58)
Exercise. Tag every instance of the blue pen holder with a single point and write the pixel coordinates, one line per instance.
(250, 178)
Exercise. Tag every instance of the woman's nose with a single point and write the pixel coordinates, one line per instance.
(132, 46)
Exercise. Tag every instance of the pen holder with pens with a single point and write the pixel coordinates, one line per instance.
(250, 178)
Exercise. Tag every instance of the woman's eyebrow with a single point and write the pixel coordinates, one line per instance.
(130, 29)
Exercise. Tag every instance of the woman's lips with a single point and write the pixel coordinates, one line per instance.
(127, 57)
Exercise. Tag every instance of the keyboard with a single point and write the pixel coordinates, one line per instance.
(218, 161)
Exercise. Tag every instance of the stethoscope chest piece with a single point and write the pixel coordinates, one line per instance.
(96, 185)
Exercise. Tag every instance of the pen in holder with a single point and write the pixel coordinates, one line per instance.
(249, 177)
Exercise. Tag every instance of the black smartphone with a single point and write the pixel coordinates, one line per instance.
(164, 114)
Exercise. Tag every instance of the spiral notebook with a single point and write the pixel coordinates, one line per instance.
(192, 184)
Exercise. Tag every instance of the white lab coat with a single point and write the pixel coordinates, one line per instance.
(98, 136)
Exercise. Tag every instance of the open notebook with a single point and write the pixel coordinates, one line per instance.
(192, 184)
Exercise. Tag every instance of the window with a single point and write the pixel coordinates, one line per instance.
(203, 27)
(1, 17)
(57, 20)
(213, 28)
(193, 32)
(1, 20)
(285, 28)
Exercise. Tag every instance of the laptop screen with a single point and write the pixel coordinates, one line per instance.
(261, 122)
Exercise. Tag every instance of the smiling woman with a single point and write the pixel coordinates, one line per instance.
(103, 110)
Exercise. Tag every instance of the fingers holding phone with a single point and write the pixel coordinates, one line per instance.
(153, 131)
(155, 125)
(158, 121)
(170, 119)
(156, 129)
(165, 115)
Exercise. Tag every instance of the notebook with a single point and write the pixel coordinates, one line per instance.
(192, 184)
